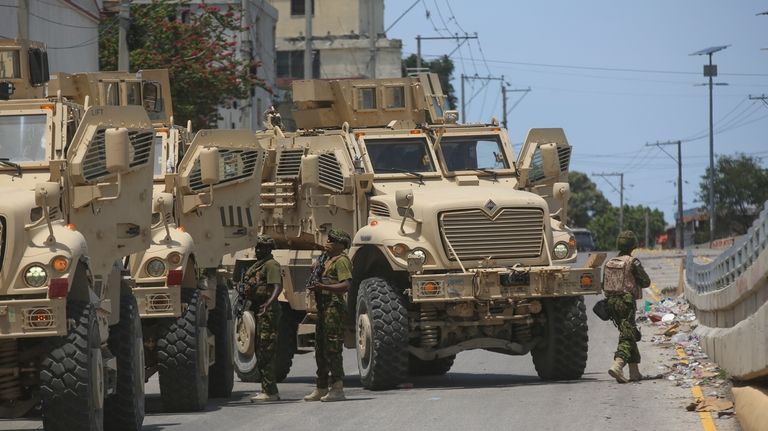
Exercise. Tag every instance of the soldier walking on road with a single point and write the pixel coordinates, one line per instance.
(624, 280)
(265, 283)
(331, 309)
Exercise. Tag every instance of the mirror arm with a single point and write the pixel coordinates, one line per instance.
(46, 213)
(406, 216)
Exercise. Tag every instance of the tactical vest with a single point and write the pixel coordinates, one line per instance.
(326, 279)
(260, 289)
(618, 278)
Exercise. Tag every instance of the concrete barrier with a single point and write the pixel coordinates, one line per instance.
(730, 296)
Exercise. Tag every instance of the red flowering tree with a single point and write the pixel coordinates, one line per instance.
(197, 44)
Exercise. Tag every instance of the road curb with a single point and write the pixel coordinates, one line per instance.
(751, 408)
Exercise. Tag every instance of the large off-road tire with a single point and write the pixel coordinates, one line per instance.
(245, 348)
(124, 410)
(381, 335)
(245, 365)
(181, 357)
(435, 367)
(71, 376)
(221, 375)
(562, 352)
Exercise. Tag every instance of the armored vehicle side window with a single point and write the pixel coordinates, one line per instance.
(159, 165)
(395, 155)
(22, 137)
(366, 98)
(463, 153)
(9, 64)
(133, 93)
(394, 97)
(112, 93)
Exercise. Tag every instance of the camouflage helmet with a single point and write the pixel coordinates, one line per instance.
(265, 241)
(338, 235)
(626, 241)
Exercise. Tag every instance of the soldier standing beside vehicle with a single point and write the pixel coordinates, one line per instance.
(265, 283)
(331, 309)
(624, 280)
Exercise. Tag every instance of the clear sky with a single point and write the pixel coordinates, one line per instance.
(615, 75)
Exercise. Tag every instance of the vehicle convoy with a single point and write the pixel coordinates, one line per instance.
(76, 185)
(197, 217)
(457, 245)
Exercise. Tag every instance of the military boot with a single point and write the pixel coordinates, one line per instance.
(634, 373)
(263, 397)
(616, 370)
(316, 394)
(335, 394)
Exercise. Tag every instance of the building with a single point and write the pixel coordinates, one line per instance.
(70, 29)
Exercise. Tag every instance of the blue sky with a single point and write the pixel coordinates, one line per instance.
(615, 75)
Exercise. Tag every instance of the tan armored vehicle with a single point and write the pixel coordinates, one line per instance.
(457, 245)
(198, 217)
(76, 185)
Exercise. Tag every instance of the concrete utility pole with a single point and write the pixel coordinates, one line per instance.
(647, 230)
(710, 71)
(482, 78)
(679, 225)
(308, 12)
(419, 39)
(124, 20)
(620, 190)
(22, 19)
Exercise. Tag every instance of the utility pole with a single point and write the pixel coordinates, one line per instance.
(124, 20)
(22, 19)
(419, 38)
(482, 78)
(620, 190)
(373, 36)
(503, 103)
(679, 225)
(504, 92)
(647, 231)
(710, 71)
(308, 12)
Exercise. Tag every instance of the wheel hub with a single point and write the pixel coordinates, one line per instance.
(364, 337)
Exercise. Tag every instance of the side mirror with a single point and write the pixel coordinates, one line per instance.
(163, 203)
(549, 160)
(404, 198)
(209, 166)
(310, 170)
(47, 194)
(117, 143)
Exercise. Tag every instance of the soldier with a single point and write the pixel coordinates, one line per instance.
(624, 280)
(265, 284)
(331, 308)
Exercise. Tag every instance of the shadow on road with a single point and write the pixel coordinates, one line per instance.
(472, 381)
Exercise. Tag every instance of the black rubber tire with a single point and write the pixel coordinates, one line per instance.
(286, 348)
(124, 410)
(71, 375)
(435, 367)
(562, 352)
(385, 363)
(221, 375)
(180, 349)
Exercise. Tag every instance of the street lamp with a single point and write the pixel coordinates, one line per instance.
(710, 71)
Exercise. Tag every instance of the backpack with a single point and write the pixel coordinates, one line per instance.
(618, 278)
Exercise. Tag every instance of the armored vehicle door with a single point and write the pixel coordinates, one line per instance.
(109, 182)
(543, 163)
(222, 217)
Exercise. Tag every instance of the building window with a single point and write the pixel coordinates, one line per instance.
(290, 64)
(297, 7)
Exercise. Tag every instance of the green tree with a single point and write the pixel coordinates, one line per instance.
(586, 200)
(741, 190)
(444, 68)
(197, 44)
(605, 226)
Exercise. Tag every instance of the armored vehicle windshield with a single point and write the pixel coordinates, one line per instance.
(462, 153)
(400, 155)
(22, 137)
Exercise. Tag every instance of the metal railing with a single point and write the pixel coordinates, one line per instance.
(730, 264)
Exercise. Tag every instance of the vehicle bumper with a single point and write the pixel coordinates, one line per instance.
(157, 302)
(503, 283)
(27, 318)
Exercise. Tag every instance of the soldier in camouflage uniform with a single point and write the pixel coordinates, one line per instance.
(265, 284)
(331, 309)
(621, 307)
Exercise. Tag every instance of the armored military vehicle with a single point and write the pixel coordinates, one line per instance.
(76, 185)
(457, 244)
(181, 289)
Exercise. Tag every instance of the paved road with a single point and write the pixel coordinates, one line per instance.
(483, 391)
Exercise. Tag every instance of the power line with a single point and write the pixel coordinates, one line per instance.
(50, 20)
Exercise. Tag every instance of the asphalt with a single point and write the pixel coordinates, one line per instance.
(483, 391)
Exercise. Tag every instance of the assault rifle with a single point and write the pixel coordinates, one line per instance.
(243, 302)
(316, 276)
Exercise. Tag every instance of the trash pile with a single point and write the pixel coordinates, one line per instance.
(671, 323)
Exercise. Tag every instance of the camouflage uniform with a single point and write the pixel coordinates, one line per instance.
(622, 307)
(331, 310)
(266, 272)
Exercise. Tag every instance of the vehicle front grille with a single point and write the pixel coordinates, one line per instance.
(511, 233)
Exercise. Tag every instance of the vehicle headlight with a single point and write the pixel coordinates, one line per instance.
(560, 250)
(155, 267)
(418, 255)
(35, 276)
